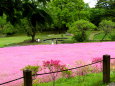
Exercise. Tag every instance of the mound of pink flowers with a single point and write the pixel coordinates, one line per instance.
(13, 59)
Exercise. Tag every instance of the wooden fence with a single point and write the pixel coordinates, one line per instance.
(106, 72)
(27, 74)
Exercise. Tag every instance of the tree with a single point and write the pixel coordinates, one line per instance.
(109, 6)
(79, 29)
(19, 9)
(35, 17)
(106, 26)
(96, 15)
(65, 12)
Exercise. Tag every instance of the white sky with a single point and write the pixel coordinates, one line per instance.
(92, 3)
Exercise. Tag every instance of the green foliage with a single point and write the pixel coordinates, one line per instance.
(109, 6)
(78, 28)
(106, 26)
(96, 15)
(11, 11)
(81, 25)
(8, 29)
(112, 37)
(34, 69)
(2, 23)
(24, 27)
(94, 79)
(65, 12)
(25, 9)
(67, 74)
(79, 38)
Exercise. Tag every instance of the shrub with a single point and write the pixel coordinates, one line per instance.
(84, 70)
(53, 66)
(107, 26)
(112, 37)
(78, 37)
(67, 74)
(34, 69)
(79, 29)
(9, 30)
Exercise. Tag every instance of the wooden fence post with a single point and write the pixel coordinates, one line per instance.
(106, 68)
(27, 77)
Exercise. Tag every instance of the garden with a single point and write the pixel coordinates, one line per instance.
(70, 55)
(47, 36)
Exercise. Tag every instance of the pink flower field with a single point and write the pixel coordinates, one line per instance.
(13, 59)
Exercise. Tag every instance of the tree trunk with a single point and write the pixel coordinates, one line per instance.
(33, 38)
(33, 34)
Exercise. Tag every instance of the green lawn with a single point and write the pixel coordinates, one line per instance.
(94, 79)
(4, 41)
(22, 39)
(19, 39)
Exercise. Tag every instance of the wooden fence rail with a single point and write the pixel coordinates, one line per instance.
(106, 72)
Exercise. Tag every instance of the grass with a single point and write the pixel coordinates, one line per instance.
(94, 36)
(23, 39)
(4, 41)
(94, 79)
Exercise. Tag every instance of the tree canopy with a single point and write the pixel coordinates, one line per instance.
(19, 9)
(65, 12)
(109, 6)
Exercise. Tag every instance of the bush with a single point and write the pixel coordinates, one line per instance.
(53, 66)
(107, 26)
(34, 69)
(67, 74)
(80, 27)
(112, 37)
(9, 30)
(78, 37)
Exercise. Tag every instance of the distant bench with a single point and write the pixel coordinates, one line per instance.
(55, 40)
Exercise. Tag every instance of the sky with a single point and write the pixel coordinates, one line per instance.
(92, 3)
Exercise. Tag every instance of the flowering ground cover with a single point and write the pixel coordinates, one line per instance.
(13, 59)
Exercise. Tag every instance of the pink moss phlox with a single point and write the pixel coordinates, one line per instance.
(96, 59)
(53, 65)
(97, 66)
(12, 59)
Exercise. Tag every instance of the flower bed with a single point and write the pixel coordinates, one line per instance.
(13, 59)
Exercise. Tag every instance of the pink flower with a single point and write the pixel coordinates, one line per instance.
(96, 59)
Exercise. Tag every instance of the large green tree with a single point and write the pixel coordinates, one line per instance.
(96, 15)
(79, 29)
(65, 12)
(19, 9)
(109, 6)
